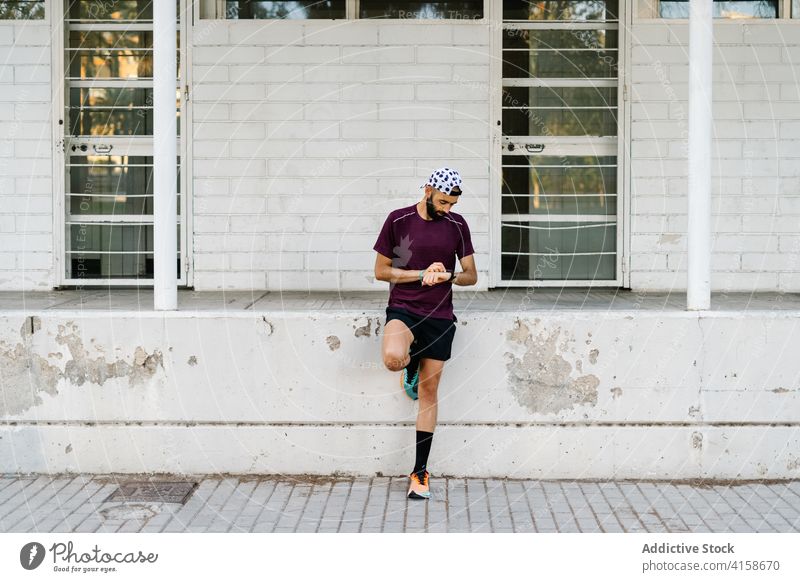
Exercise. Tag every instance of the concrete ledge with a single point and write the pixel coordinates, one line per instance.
(540, 452)
(666, 394)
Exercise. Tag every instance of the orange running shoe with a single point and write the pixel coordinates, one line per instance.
(419, 489)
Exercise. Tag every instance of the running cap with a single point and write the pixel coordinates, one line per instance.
(444, 180)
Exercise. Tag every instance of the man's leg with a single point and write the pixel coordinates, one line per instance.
(429, 376)
(397, 339)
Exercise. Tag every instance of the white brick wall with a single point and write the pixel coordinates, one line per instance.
(26, 199)
(756, 166)
(306, 134)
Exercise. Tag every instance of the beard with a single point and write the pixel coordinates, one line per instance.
(432, 213)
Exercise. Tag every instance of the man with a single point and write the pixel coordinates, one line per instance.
(417, 249)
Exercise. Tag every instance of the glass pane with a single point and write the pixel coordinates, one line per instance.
(560, 39)
(111, 266)
(110, 54)
(558, 10)
(795, 8)
(560, 63)
(113, 54)
(560, 122)
(113, 111)
(113, 251)
(22, 10)
(546, 204)
(560, 111)
(562, 237)
(531, 176)
(85, 204)
(558, 268)
(466, 9)
(110, 10)
(550, 240)
(303, 9)
(111, 39)
(560, 53)
(124, 64)
(728, 9)
(131, 238)
(119, 175)
(566, 97)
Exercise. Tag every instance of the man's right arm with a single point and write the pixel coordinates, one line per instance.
(385, 272)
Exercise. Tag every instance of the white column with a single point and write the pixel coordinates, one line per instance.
(165, 152)
(698, 292)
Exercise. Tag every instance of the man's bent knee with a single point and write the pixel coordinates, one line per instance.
(394, 361)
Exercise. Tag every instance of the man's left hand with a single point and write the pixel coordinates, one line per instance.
(434, 278)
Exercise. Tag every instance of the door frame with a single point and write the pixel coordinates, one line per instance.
(496, 152)
(54, 15)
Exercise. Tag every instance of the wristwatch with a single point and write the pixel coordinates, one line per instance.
(453, 276)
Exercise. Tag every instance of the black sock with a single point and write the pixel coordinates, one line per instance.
(413, 362)
(424, 440)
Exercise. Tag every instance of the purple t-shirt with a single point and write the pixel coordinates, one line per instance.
(413, 243)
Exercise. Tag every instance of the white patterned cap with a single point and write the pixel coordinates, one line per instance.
(444, 180)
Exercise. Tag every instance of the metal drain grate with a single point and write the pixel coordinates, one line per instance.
(154, 491)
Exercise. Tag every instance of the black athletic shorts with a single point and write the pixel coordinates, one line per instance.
(433, 336)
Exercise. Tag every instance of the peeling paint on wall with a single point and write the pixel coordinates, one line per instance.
(365, 330)
(30, 374)
(334, 343)
(541, 378)
(25, 375)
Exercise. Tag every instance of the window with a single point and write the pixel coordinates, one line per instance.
(335, 9)
(559, 112)
(302, 10)
(108, 141)
(22, 10)
(723, 8)
(464, 9)
(579, 10)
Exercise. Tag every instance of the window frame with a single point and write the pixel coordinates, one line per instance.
(618, 148)
(60, 160)
(352, 7)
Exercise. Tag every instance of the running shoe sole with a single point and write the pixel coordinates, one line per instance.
(425, 494)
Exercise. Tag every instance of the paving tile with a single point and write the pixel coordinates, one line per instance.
(285, 504)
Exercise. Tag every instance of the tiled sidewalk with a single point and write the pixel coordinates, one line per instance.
(300, 504)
